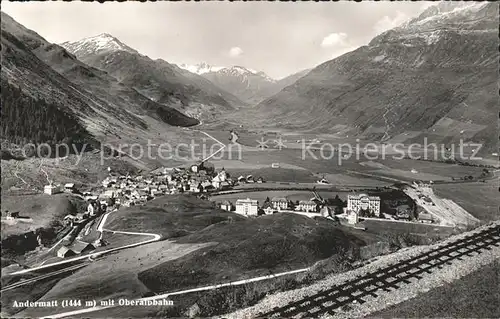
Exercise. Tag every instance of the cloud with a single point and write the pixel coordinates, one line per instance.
(235, 52)
(334, 39)
(387, 23)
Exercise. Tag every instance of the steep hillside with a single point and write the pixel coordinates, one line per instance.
(156, 79)
(205, 84)
(248, 85)
(47, 71)
(291, 79)
(27, 119)
(434, 76)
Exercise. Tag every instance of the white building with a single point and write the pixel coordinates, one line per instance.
(91, 209)
(108, 194)
(69, 187)
(356, 203)
(51, 189)
(279, 203)
(352, 217)
(226, 205)
(308, 206)
(247, 207)
(216, 182)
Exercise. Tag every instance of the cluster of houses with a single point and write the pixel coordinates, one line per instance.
(135, 190)
(361, 205)
(56, 189)
(129, 191)
(94, 209)
(357, 205)
(251, 207)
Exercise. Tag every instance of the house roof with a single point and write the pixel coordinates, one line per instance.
(79, 246)
(267, 205)
(69, 185)
(247, 201)
(360, 196)
(307, 202)
(63, 250)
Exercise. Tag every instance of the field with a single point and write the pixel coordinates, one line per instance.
(479, 199)
(261, 196)
(252, 247)
(112, 276)
(31, 291)
(170, 216)
(381, 227)
(473, 296)
(277, 174)
(43, 211)
(225, 250)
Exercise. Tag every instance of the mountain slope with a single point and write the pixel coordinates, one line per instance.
(200, 68)
(248, 85)
(47, 71)
(291, 79)
(435, 76)
(156, 79)
(206, 85)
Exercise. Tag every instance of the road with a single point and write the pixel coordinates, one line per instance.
(182, 292)
(155, 237)
(223, 146)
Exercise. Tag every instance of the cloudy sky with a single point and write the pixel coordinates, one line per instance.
(277, 38)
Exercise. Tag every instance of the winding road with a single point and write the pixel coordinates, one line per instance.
(100, 228)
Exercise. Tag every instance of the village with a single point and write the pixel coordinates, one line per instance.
(202, 180)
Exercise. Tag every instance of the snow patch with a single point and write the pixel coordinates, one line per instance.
(200, 68)
(96, 44)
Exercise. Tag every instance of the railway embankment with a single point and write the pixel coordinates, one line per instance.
(387, 280)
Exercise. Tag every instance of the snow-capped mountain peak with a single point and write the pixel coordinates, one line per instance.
(434, 22)
(242, 71)
(445, 10)
(103, 42)
(200, 68)
(237, 70)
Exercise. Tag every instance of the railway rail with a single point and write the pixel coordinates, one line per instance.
(389, 277)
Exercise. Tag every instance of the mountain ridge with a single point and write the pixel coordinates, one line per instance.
(47, 72)
(407, 80)
(159, 80)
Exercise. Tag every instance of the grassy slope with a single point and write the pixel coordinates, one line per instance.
(252, 247)
(43, 209)
(113, 276)
(474, 296)
(277, 174)
(169, 216)
(87, 170)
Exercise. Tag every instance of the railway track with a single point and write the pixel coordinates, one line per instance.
(389, 277)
